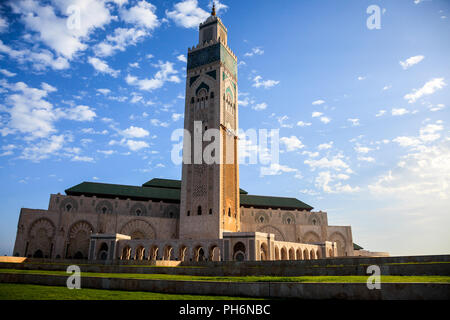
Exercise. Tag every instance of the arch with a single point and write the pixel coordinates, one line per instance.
(214, 253)
(340, 243)
(291, 254)
(284, 255)
(126, 252)
(199, 210)
(103, 252)
(41, 234)
(277, 253)
(199, 254)
(79, 238)
(138, 229)
(299, 254)
(168, 252)
(139, 253)
(330, 252)
(312, 254)
(264, 252)
(182, 251)
(153, 253)
(138, 209)
(317, 254)
(200, 87)
(311, 237)
(305, 254)
(279, 236)
(261, 217)
(38, 254)
(239, 251)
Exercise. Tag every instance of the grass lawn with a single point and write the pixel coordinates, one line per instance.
(36, 292)
(314, 279)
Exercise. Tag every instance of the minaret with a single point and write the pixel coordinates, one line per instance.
(210, 192)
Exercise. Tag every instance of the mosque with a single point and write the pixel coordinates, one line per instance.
(203, 217)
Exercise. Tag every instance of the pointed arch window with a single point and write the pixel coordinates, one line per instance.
(199, 210)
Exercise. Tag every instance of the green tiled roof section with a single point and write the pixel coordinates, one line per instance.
(169, 190)
(163, 183)
(123, 191)
(171, 184)
(356, 247)
(273, 202)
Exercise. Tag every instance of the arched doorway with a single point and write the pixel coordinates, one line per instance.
(182, 253)
(126, 251)
(312, 254)
(264, 252)
(38, 254)
(139, 254)
(199, 255)
(277, 253)
(299, 254)
(214, 253)
(306, 254)
(239, 251)
(283, 253)
(103, 252)
(168, 250)
(291, 254)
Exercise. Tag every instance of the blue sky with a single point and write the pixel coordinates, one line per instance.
(363, 113)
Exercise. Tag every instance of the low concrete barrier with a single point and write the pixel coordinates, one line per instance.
(347, 291)
(264, 268)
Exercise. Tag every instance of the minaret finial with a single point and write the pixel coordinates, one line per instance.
(213, 11)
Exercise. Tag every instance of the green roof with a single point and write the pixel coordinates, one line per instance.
(171, 184)
(356, 247)
(122, 191)
(273, 202)
(163, 183)
(169, 190)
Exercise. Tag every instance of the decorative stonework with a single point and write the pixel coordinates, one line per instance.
(138, 209)
(68, 205)
(279, 236)
(261, 217)
(288, 218)
(104, 207)
(138, 229)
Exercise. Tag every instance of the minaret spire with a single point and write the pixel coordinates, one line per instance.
(213, 11)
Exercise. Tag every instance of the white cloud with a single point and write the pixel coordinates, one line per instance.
(119, 41)
(43, 149)
(255, 51)
(318, 102)
(387, 87)
(367, 159)
(399, 111)
(39, 59)
(428, 88)
(380, 113)
(361, 78)
(361, 149)
(102, 66)
(7, 73)
(159, 123)
(104, 91)
(80, 113)
(142, 14)
(82, 159)
(408, 63)
(187, 14)
(53, 30)
(335, 163)
(3, 24)
(106, 152)
(182, 58)
(292, 143)
(257, 83)
(355, 122)
(135, 132)
(325, 179)
(303, 124)
(316, 114)
(166, 73)
(276, 169)
(260, 106)
(325, 120)
(177, 116)
(437, 107)
(136, 145)
(325, 146)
